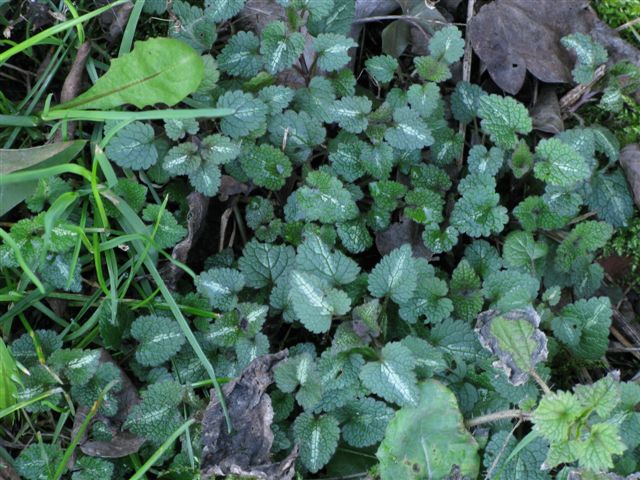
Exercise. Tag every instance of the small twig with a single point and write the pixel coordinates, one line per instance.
(502, 449)
(630, 23)
(497, 416)
(572, 99)
(466, 73)
(543, 385)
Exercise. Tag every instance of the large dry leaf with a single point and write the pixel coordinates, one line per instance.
(399, 233)
(198, 207)
(630, 161)
(513, 36)
(246, 451)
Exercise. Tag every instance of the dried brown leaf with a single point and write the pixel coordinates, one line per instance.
(513, 36)
(546, 114)
(515, 339)
(198, 207)
(246, 451)
(399, 233)
(630, 161)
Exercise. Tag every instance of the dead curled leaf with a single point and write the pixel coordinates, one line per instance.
(516, 339)
(399, 233)
(546, 114)
(630, 161)
(7, 472)
(246, 451)
(502, 31)
(198, 207)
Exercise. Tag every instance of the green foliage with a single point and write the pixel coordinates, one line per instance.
(576, 426)
(38, 461)
(502, 118)
(132, 147)
(590, 55)
(428, 438)
(156, 416)
(158, 70)
(366, 225)
(160, 339)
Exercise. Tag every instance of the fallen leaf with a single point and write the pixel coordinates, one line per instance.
(198, 207)
(246, 451)
(513, 36)
(516, 339)
(230, 186)
(7, 472)
(399, 233)
(630, 161)
(546, 114)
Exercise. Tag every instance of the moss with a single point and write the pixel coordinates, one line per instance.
(619, 12)
(626, 242)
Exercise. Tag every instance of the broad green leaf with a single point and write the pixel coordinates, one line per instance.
(447, 44)
(241, 56)
(395, 276)
(502, 118)
(465, 291)
(169, 231)
(249, 113)
(392, 376)
(560, 164)
(426, 440)
(590, 55)
(160, 339)
(157, 415)
(382, 68)
(318, 438)
(409, 132)
(596, 452)
(314, 256)
(586, 237)
(510, 289)
(610, 198)
(266, 166)
(333, 51)
(193, 26)
(465, 101)
(482, 161)
(315, 303)
(220, 286)
(365, 421)
(555, 415)
(133, 147)
(158, 70)
(515, 338)
(38, 461)
(584, 327)
(522, 251)
(75, 364)
(279, 47)
(263, 263)
(324, 198)
(351, 113)
(602, 396)
(424, 99)
(507, 465)
(221, 10)
(300, 373)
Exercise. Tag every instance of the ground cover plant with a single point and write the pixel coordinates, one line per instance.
(318, 239)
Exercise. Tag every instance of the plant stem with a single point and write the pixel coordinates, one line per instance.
(545, 388)
(497, 416)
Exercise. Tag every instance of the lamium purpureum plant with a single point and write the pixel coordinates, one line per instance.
(492, 244)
